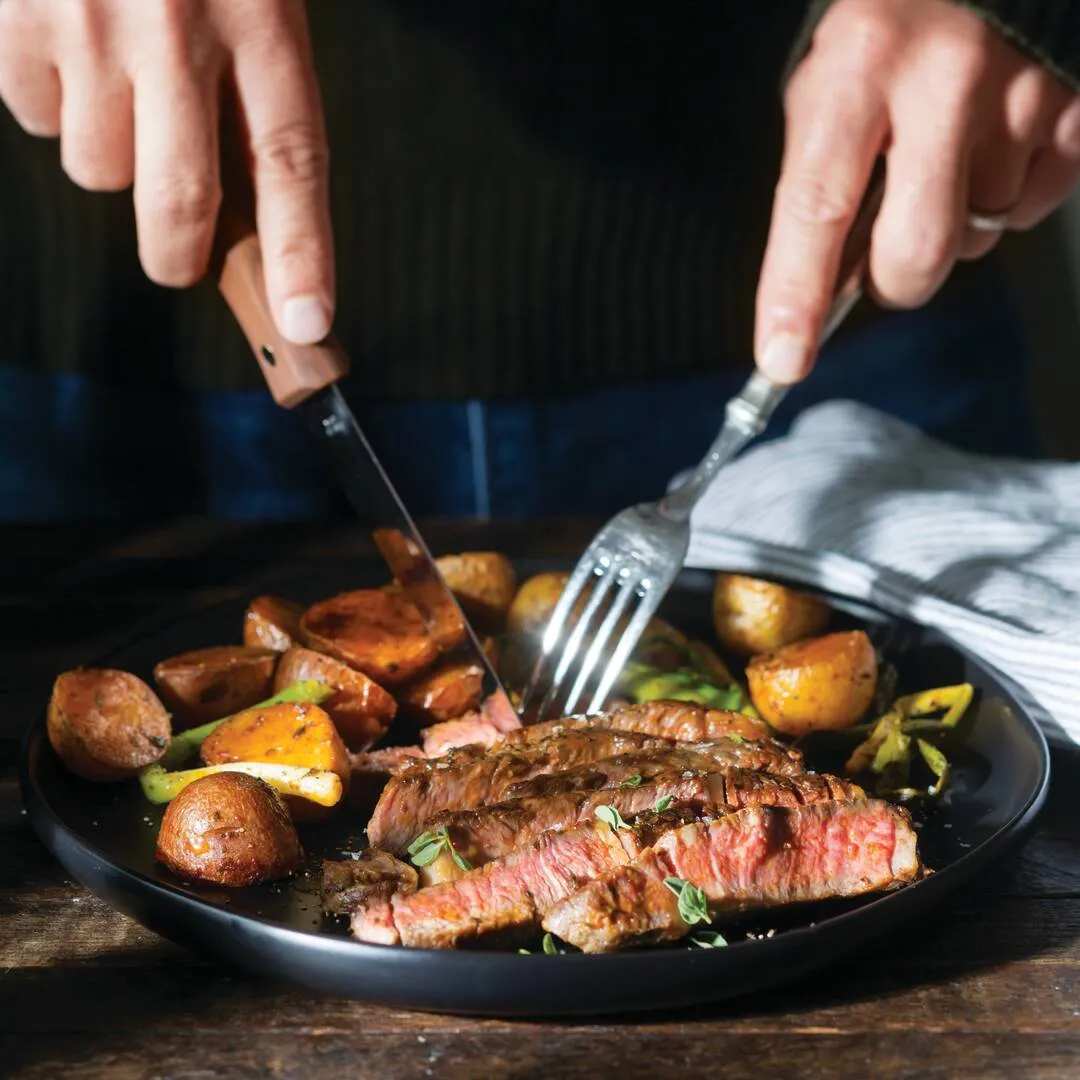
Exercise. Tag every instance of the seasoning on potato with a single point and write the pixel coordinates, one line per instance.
(484, 583)
(106, 724)
(229, 829)
(823, 684)
(360, 709)
(753, 616)
(207, 684)
(272, 623)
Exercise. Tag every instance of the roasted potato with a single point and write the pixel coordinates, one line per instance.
(484, 583)
(448, 690)
(207, 684)
(821, 684)
(752, 616)
(361, 709)
(272, 623)
(534, 602)
(376, 631)
(106, 724)
(229, 829)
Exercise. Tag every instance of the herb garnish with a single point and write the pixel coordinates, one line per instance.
(631, 781)
(662, 804)
(611, 817)
(693, 905)
(549, 946)
(736, 738)
(428, 846)
(710, 939)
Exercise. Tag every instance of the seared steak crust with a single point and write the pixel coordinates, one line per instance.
(760, 857)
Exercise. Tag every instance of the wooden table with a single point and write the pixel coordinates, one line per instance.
(989, 987)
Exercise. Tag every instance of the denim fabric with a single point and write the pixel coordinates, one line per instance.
(71, 450)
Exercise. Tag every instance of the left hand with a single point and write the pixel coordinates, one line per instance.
(969, 126)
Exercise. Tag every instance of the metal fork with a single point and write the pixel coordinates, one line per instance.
(633, 559)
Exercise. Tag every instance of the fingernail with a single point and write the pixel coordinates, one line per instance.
(305, 320)
(786, 358)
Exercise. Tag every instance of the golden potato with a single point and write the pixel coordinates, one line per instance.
(106, 724)
(377, 631)
(821, 684)
(752, 616)
(534, 602)
(229, 829)
(289, 734)
(361, 709)
(272, 623)
(207, 684)
(484, 583)
(446, 691)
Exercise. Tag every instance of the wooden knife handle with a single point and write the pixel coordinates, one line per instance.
(293, 372)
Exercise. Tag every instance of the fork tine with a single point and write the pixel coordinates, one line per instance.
(605, 576)
(626, 593)
(650, 601)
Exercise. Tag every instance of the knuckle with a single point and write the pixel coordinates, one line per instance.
(294, 153)
(866, 37)
(916, 265)
(1067, 134)
(185, 199)
(812, 201)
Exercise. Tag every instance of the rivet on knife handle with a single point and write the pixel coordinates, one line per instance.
(293, 372)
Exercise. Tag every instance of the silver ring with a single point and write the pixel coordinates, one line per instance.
(987, 223)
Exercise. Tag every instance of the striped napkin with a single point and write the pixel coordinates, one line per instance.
(985, 549)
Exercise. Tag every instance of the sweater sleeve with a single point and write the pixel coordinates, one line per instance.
(1047, 30)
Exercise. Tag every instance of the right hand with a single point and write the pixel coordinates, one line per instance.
(133, 89)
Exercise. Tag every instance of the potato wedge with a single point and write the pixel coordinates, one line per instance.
(106, 724)
(229, 829)
(445, 692)
(484, 583)
(376, 631)
(361, 709)
(272, 623)
(753, 616)
(207, 684)
(412, 571)
(291, 734)
(821, 684)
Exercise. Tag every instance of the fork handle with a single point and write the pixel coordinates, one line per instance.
(749, 411)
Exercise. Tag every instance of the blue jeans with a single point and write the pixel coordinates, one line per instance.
(73, 450)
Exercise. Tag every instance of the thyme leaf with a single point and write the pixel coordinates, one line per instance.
(611, 817)
(631, 781)
(693, 904)
(662, 804)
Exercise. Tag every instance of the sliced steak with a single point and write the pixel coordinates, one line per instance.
(504, 901)
(761, 857)
(469, 777)
(370, 878)
(713, 755)
(489, 832)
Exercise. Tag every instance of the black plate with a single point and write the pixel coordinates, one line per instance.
(104, 835)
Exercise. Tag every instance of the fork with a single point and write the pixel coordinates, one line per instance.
(634, 558)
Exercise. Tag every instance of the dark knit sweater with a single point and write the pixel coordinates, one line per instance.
(529, 196)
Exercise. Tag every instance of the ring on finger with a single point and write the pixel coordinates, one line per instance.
(977, 221)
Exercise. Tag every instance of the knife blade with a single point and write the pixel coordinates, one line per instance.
(305, 378)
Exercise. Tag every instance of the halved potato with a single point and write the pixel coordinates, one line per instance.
(448, 690)
(106, 724)
(292, 734)
(821, 684)
(272, 623)
(534, 602)
(207, 684)
(753, 616)
(229, 829)
(484, 583)
(361, 709)
(376, 631)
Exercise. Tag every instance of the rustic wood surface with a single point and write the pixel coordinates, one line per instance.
(988, 987)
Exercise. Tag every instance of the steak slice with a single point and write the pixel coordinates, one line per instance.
(761, 857)
(470, 777)
(504, 901)
(371, 876)
(489, 832)
(713, 755)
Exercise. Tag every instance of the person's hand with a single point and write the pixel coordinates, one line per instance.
(970, 127)
(133, 89)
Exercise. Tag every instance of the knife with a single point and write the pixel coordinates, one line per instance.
(305, 378)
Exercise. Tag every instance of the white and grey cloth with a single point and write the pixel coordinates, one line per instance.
(985, 549)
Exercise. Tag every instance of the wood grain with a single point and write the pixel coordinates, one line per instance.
(988, 987)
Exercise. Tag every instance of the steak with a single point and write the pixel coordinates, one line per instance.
(713, 755)
(489, 832)
(761, 857)
(372, 876)
(504, 901)
(469, 777)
